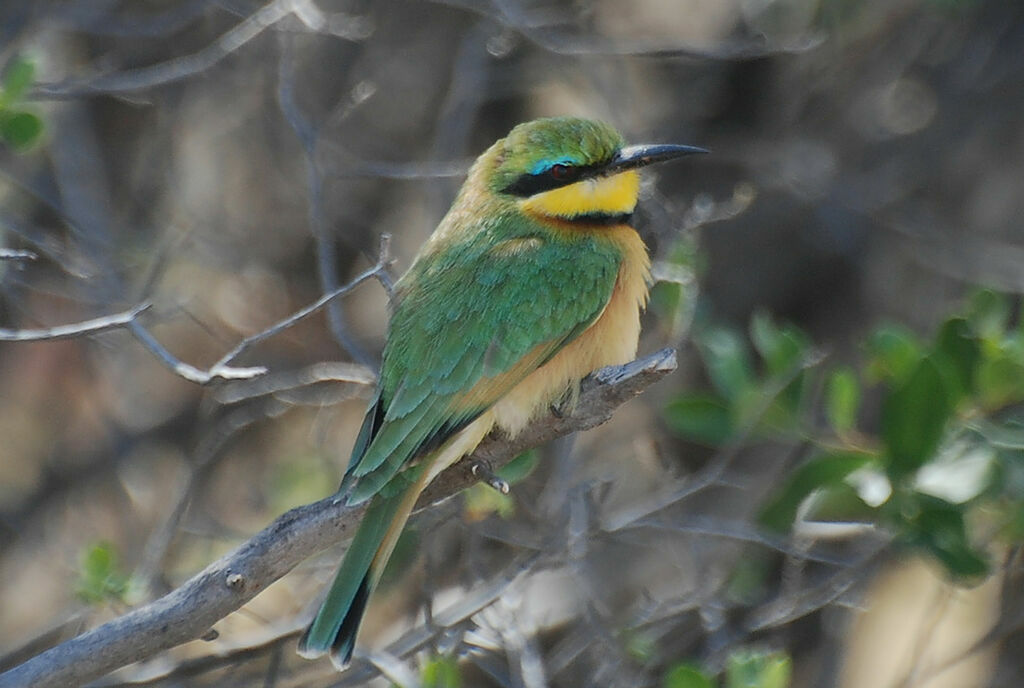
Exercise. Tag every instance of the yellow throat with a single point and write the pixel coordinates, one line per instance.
(614, 195)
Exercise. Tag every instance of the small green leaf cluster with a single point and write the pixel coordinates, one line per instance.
(99, 577)
(744, 669)
(744, 401)
(948, 450)
(674, 293)
(441, 672)
(20, 128)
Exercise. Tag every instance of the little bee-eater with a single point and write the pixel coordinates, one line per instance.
(533, 279)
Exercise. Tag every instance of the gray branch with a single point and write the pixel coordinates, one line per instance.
(79, 329)
(222, 587)
(17, 254)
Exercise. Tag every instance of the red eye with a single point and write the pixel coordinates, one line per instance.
(560, 172)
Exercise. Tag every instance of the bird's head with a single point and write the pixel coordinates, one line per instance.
(571, 169)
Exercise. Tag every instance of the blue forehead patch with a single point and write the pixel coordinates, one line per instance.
(544, 165)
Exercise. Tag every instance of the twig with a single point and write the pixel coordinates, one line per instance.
(107, 322)
(367, 665)
(480, 598)
(221, 370)
(189, 611)
(379, 272)
(16, 254)
(712, 473)
(558, 41)
(183, 67)
(208, 452)
(187, 370)
(326, 255)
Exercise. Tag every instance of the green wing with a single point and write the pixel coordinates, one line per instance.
(468, 314)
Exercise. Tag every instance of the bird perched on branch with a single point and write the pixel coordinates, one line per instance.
(533, 280)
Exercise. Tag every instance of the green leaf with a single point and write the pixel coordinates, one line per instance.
(483, 500)
(989, 313)
(641, 646)
(842, 399)
(674, 294)
(441, 672)
(893, 353)
(748, 578)
(686, 676)
(914, 417)
(20, 129)
(754, 669)
(17, 78)
(702, 419)
(99, 577)
(821, 472)
(520, 467)
(728, 362)
(958, 351)
(938, 527)
(848, 501)
(782, 349)
(1000, 380)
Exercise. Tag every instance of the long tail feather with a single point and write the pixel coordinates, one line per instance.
(335, 626)
(339, 605)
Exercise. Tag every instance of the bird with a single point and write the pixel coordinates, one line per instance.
(533, 279)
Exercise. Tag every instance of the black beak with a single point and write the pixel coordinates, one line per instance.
(632, 157)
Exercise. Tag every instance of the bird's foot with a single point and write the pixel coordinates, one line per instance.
(482, 469)
(566, 403)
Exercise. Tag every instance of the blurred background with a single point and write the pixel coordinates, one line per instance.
(230, 161)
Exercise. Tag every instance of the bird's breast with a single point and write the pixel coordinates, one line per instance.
(611, 340)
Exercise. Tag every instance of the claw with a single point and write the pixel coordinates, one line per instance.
(481, 469)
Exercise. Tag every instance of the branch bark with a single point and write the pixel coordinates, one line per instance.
(225, 585)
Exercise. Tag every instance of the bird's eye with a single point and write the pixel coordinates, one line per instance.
(560, 172)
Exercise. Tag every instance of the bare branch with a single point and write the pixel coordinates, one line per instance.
(379, 272)
(15, 254)
(326, 256)
(555, 38)
(187, 370)
(189, 611)
(221, 370)
(107, 322)
(131, 80)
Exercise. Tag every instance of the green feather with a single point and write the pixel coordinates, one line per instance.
(492, 286)
(337, 607)
(470, 314)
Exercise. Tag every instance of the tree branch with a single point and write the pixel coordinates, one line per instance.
(225, 585)
(179, 68)
(16, 254)
(79, 329)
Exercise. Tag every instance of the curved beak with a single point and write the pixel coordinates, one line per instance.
(632, 157)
